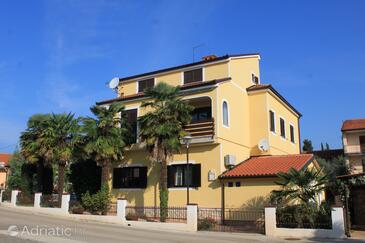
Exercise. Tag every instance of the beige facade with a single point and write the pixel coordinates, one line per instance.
(354, 150)
(228, 80)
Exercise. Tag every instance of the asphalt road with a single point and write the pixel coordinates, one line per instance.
(30, 227)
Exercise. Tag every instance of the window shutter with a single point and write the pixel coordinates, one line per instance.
(143, 177)
(170, 176)
(196, 175)
(117, 178)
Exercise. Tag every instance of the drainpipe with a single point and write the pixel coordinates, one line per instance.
(222, 201)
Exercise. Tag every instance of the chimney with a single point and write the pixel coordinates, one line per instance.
(209, 58)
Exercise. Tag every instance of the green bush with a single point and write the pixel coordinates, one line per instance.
(76, 207)
(206, 224)
(97, 203)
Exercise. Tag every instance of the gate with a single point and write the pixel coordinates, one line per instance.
(231, 220)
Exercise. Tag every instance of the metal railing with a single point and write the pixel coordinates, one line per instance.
(157, 214)
(231, 220)
(25, 199)
(50, 201)
(291, 220)
(201, 128)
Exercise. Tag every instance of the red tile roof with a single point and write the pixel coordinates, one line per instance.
(5, 158)
(263, 166)
(354, 124)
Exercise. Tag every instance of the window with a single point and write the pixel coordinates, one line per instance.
(130, 177)
(238, 183)
(362, 144)
(292, 134)
(144, 84)
(254, 79)
(230, 184)
(130, 116)
(225, 114)
(195, 75)
(272, 121)
(201, 114)
(178, 175)
(282, 127)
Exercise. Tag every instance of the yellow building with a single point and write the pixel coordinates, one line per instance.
(235, 117)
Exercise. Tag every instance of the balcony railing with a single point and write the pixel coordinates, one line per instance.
(201, 128)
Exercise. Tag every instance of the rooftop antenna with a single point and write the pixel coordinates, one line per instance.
(113, 84)
(194, 49)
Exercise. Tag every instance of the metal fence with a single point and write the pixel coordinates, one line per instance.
(231, 220)
(291, 220)
(50, 201)
(25, 199)
(6, 196)
(157, 214)
(112, 210)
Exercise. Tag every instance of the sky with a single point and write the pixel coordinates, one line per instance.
(57, 55)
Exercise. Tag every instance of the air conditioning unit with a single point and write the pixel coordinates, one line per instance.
(229, 160)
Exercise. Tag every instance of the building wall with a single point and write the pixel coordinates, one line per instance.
(352, 149)
(278, 144)
(2, 179)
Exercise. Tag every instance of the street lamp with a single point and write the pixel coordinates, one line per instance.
(186, 140)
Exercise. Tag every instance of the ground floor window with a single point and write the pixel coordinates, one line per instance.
(130, 177)
(180, 176)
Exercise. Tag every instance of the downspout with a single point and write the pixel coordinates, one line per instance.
(300, 141)
(222, 200)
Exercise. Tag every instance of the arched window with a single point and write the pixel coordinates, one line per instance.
(225, 114)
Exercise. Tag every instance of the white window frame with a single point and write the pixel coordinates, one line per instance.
(291, 125)
(228, 115)
(285, 134)
(154, 82)
(275, 131)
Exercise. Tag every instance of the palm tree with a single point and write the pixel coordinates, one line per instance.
(303, 185)
(106, 137)
(59, 138)
(162, 128)
(32, 147)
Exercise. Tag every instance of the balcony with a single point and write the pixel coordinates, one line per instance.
(201, 127)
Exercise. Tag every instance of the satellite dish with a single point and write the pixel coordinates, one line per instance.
(113, 83)
(263, 145)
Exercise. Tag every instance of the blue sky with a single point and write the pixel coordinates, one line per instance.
(56, 56)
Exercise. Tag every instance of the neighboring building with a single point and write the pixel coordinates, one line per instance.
(329, 154)
(353, 136)
(4, 169)
(234, 114)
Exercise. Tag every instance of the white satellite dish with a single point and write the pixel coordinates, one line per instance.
(263, 145)
(113, 83)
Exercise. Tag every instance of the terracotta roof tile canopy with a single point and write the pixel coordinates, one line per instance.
(354, 124)
(268, 166)
(4, 158)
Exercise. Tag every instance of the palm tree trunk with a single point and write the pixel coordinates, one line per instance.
(40, 175)
(105, 174)
(164, 196)
(61, 181)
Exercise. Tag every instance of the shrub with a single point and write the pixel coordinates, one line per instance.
(206, 224)
(97, 203)
(76, 207)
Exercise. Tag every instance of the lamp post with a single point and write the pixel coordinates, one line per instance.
(186, 141)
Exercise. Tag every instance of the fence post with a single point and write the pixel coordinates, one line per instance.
(14, 195)
(338, 222)
(1, 196)
(121, 208)
(270, 221)
(192, 217)
(37, 200)
(65, 204)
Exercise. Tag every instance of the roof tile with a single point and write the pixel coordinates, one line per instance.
(268, 165)
(354, 124)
